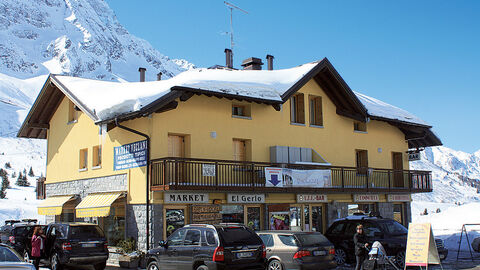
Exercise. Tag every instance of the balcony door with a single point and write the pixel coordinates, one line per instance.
(176, 149)
(397, 159)
(239, 150)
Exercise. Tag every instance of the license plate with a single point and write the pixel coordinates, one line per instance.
(244, 254)
(319, 253)
(89, 245)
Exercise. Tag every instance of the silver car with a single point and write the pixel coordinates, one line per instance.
(298, 250)
(10, 259)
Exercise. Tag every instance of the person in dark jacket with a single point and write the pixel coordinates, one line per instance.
(360, 241)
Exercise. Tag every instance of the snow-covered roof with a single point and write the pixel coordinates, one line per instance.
(381, 109)
(110, 99)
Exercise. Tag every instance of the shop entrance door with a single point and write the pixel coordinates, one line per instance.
(254, 217)
(313, 218)
(173, 218)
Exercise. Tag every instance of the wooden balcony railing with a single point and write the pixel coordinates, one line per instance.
(207, 174)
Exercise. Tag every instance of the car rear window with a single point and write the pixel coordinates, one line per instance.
(238, 236)
(6, 255)
(311, 239)
(83, 232)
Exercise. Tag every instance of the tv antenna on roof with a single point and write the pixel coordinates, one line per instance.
(231, 7)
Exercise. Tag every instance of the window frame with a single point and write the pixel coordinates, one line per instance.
(72, 113)
(313, 103)
(295, 105)
(83, 153)
(97, 156)
(246, 111)
(360, 127)
(361, 170)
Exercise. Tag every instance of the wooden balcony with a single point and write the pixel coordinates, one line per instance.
(227, 175)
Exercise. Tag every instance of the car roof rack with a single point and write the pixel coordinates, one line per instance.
(30, 220)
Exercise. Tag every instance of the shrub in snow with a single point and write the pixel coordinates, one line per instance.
(3, 194)
(8, 166)
(22, 180)
(438, 210)
(30, 173)
(425, 212)
(14, 174)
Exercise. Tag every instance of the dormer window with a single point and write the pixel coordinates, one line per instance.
(72, 112)
(241, 111)
(360, 126)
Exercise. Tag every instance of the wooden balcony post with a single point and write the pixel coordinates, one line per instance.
(367, 177)
(252, 176)
(216, 175)
(343, 178)
(389, 180)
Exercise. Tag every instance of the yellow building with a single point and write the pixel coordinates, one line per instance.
(274, 149)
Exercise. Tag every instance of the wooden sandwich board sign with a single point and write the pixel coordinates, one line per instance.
(421, 248)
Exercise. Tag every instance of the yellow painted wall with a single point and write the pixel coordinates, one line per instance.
(201, 115)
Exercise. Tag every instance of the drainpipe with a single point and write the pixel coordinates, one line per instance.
(147, 177)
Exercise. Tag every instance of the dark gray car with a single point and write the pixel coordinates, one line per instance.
(298, 250)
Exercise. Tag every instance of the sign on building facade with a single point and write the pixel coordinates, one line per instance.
(185, 197)
(245, 198)
(130, 155)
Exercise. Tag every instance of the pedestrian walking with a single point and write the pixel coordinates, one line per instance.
(37, 246)
(360, 241)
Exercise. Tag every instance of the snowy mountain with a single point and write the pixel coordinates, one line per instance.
(456, 175)
(73, 37)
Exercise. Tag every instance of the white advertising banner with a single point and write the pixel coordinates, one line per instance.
(283, 177)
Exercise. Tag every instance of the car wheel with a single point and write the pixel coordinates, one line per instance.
(152, 266)
(340, 256)
(275, 265)
(55, 262)
(400, 259)
(100, 266)
(26, 257)
(202, 267)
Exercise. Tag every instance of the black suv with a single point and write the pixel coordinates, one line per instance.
(209, 247)
(391, 234)
(76, 244)
(20, 238)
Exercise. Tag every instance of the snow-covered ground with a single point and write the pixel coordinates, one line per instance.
(447, 224)
(21, 154)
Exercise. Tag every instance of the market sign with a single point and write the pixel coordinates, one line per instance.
(130, 155)
(366, 198)
(398, 197)
(421, 248)
(185, 197)
(245, 198)
(284, 177)
(311, 198)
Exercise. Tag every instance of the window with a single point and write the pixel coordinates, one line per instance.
(192, 238)
(362, 162)
(360, 126)
(72, 112)
(83, 159)
(288, 240)
(267, 239)
(210, 237)
(176, 239)
(338, 228)
(297, 109)
(241, 110)
(97, 156)
(316, 115)
(371, 229)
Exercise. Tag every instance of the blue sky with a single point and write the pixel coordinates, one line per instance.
(422, 56)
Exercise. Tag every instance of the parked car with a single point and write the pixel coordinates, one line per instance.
(10, 259)
(20, 238)
(75, 244)
(391, 234)
(298, 250)
(6, 229)
(203, 247)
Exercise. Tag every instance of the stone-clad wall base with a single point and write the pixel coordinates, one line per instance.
(136, 224)
(83, 187)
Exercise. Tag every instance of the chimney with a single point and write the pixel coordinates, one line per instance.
(229, 58)
(252, 63)
(142, 73)
(270, 61)
(159, 76)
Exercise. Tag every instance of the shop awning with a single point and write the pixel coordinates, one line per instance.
(97, 205)
(53, 205)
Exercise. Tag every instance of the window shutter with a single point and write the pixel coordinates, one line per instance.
(300, 109)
